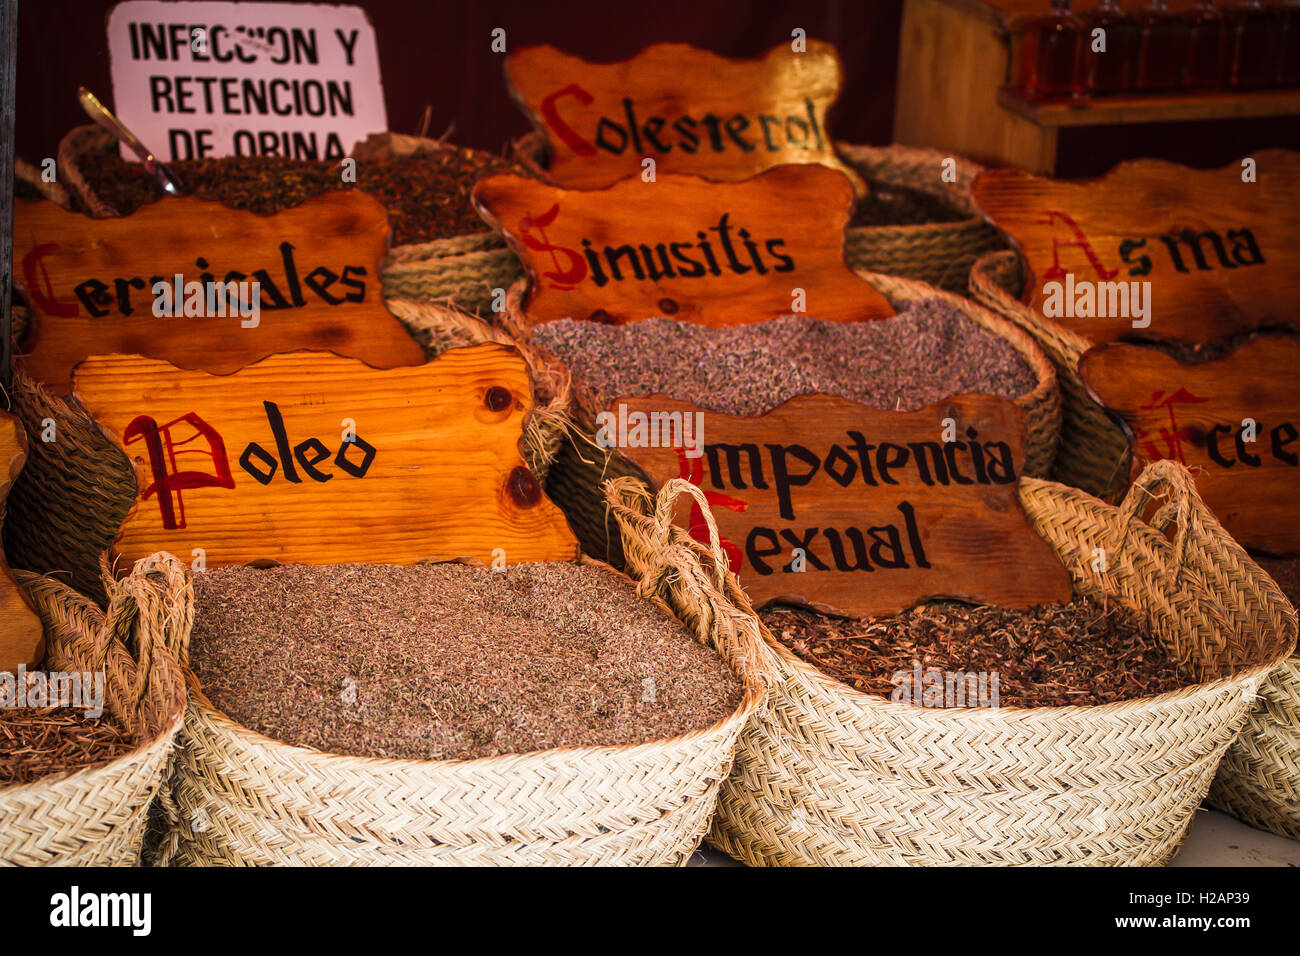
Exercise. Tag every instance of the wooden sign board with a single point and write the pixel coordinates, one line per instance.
(22, 636)
(92, 283)
(713, 253)
(1156, 249)
(689, 110)
(1234, 421)
(312, 458)
(884, 511)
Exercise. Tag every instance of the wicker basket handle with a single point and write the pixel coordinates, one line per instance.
(1183, 509)
(666, 504)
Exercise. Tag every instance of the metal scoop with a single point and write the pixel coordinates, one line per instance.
(104, 117)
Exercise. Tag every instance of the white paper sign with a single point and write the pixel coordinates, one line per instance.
(211, 79)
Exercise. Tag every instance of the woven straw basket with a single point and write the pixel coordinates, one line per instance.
(97, 816)
(460, 270)
(1259, 779)
(1094, 453)
(581, 466)
(68, 503)
(237, 797)
(830, 775)
(906, 184)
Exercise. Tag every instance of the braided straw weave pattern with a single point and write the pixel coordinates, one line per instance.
(97, 816)
(940, 253)
(68, 503)
(236, 797)
(828, 775)
(1093, 453)
(1259, 779)
(581, 467)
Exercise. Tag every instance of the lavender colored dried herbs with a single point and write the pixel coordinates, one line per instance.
(928, 352)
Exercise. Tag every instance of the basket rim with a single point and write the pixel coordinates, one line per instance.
(752, 699)
(863, 702)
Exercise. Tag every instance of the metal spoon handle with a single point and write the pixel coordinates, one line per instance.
(102, 115)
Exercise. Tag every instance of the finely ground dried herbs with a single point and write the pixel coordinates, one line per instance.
(449, 661)
(1083, 652)
(927, 352)
(38, 741)
(426, 193)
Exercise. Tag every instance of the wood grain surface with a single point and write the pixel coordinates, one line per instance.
(22, 637)
(870, 497)
(713, 253)
(688, 109)
(317, 259)
(255, 465)
(1198, 414)
(1220, 255)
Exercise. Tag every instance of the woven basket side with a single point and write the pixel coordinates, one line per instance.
(940, 253)
(1094, 452)
(98, 816)
(1259, 780)
(237, 797)
(67, 504)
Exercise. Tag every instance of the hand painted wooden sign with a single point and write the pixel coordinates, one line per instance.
(689, 110)
(313, 458)
(105, 286)
(1157, 249)
(22, 636)
(1235, 421)
(854, 510)
(714, 253)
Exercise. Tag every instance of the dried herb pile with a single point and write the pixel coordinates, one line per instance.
(925, 353)
(426, 193)
(1084, 652)
(38, 741)
(449, 661)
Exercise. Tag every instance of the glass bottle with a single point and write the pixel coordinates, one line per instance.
(1049, 54)
(1256, 45)
(1111, 70)
(1162, 53)
(1207, 44)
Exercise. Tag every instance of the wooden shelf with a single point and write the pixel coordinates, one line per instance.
(1171, 108)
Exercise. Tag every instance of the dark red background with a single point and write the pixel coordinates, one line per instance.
(437, 53)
